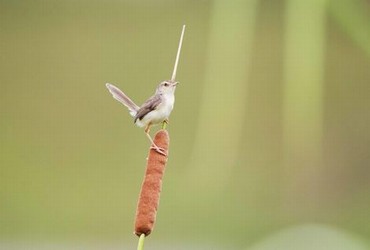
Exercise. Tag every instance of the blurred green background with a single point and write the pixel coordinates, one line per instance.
(270, 135)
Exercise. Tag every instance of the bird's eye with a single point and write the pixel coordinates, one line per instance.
(166, 84)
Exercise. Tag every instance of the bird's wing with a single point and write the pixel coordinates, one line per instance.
(151, 104)
(122, 98)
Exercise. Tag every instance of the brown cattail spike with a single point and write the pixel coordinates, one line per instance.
(150, 190)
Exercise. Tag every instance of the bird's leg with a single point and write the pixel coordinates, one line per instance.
(165, 123)
(153, 145)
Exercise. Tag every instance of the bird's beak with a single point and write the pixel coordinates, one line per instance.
(175, 83)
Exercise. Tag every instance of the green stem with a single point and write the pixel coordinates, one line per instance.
(140, 245)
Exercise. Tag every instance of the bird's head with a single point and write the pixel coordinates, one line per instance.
(166, 87)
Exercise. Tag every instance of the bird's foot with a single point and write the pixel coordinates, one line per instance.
(158, 149)
(164, 123)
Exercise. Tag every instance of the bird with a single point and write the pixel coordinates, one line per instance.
(155, 110)
(158, 107)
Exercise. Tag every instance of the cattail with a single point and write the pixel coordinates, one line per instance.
(150, 190)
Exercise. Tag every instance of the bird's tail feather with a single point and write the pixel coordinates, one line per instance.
(122, 98)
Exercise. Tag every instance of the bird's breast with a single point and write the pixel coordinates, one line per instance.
(158, 115)
(165, 108)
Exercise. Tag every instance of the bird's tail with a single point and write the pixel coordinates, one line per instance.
(122, 98)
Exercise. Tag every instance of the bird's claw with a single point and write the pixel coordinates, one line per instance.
(159, 150)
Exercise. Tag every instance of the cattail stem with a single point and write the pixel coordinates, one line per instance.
(140, 245)
(150, 190)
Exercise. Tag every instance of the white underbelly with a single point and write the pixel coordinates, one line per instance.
(156, 116)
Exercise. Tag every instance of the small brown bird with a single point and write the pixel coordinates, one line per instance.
(157, 108)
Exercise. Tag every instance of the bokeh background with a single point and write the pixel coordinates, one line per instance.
(270, 135)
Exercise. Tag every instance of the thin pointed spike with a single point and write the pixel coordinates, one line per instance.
(178, 54)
